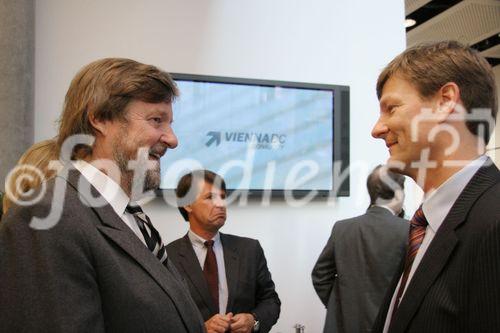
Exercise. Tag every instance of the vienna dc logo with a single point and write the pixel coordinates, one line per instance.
(213, 137)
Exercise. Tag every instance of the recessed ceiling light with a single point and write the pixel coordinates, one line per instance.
(410, 23)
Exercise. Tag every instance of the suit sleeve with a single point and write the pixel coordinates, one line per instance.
(325, 271)
(47, 278)
(485, 290)
(268, 304)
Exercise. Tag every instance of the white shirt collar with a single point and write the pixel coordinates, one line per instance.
(199, 241)
(438, 203)
(106, 186)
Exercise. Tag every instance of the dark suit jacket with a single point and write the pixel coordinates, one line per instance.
(88, 273)
(456, 287)
(251, 289)
(356, 267)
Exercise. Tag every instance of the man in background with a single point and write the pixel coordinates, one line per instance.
(85, 257)
(227, 275)
(361, 257)
(435, 100)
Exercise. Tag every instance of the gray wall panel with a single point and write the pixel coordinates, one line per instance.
(17, 37)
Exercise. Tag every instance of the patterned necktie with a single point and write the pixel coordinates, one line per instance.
(418, 224)
(211, 274)
(151, 235)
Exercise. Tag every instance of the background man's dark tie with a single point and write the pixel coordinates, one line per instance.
(211, 274)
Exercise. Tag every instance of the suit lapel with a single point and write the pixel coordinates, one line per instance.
(191, 266)
(442, 245)
(384, 308)
(167, 278)
(231, 262)
(118, 232)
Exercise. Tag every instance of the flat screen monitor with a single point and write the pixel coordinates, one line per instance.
(261, 135)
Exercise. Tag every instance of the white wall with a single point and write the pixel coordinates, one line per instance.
(323, 41)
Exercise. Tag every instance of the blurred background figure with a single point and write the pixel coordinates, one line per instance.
(31, 170)
(361, 257)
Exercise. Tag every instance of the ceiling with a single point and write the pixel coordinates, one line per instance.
(472, 22)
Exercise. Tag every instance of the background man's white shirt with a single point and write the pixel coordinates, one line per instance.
(201, 253)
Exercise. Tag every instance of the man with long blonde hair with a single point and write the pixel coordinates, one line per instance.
(86, 258)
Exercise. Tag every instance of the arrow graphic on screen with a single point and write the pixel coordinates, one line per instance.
(214, 137)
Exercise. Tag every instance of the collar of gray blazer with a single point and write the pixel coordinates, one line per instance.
(442, 245)
(195, 274)
(113, 228)
(380, 210)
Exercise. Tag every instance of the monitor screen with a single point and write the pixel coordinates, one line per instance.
(257, 135)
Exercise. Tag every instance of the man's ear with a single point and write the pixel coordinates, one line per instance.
(98, 125)
(448, 97)
(188, 209)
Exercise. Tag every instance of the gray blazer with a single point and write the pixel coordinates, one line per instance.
(456, 286)
(251, 289)
(88, 273)
(356, 268)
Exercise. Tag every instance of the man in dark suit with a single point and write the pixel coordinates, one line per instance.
(362, 255)
(434, 102)
(227, 275)
(83, 257)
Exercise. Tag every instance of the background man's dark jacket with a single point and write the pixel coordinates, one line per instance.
(251, 289)
(356, 268)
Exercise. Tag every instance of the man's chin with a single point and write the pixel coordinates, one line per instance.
(396, 164)
(219, 221)
(152, 181)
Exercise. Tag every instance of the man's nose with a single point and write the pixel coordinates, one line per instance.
(379, 129)
(169, 138)
(220, 202)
